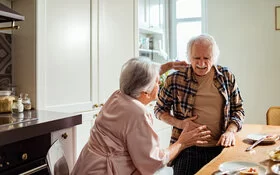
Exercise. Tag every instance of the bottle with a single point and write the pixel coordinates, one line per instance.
(20, 105)
(14, 107)
(26, 102)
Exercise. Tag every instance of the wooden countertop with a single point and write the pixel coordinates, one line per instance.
(34, 123)
(237, 153)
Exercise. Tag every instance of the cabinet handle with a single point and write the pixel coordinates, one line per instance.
(24, 156)
(95, 106)
(64, 135)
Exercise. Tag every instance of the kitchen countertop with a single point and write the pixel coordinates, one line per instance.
(34, 123)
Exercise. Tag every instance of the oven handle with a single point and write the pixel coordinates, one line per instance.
(34, 170)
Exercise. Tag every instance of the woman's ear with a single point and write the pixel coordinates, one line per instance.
(144, 97)
(148, 95)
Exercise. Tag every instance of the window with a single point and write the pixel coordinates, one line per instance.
(187, 20)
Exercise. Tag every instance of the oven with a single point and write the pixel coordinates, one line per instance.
(25, 157)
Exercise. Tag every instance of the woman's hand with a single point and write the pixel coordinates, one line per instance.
(188, 122)
(177, 65)
(227, 139)
(197, 136)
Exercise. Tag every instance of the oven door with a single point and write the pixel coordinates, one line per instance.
(37, 167)
(25, 156)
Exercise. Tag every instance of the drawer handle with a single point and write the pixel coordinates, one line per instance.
(64, 135)
(24, 156)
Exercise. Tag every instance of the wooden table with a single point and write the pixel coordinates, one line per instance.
(237, 153)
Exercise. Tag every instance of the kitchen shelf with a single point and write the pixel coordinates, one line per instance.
(151, 31)
(149, 51)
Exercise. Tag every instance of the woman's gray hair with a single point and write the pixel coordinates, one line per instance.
(138, 75)
(203, 37)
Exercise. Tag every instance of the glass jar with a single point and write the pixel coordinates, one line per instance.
(14, 107)
(20, 105)
(26, 102)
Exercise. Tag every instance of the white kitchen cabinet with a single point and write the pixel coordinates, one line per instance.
(52, 54)
(116, 41)
(153, 29)
(143, 13)
(68, 54)
(66, 137)
(151, 14)
(82, 132)
(155, 12)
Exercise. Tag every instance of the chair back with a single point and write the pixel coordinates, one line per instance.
(56, 160)
(273, 115)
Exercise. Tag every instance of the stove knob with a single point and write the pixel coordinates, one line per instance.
(24, 156)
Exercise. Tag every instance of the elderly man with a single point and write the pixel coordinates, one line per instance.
(203, 94)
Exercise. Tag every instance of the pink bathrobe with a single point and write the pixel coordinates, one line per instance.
(122, 141)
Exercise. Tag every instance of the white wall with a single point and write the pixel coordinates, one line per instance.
(250, 47)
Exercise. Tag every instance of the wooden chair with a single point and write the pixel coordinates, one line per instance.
(56, 161)
(273, 115)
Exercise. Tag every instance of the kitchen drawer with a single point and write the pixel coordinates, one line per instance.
(65, 137)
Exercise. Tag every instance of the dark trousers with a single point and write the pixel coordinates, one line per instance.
(190, 160)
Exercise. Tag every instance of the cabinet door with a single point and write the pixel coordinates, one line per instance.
(66, 137)
(63, 57)
(154, 8)
(82, 131)
(117, 34)
(143, 13)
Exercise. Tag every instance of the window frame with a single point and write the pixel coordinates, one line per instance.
(173, 23)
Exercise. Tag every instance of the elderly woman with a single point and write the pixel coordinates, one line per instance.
(122, 141)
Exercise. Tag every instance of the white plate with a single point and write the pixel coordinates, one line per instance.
(234, 165)
(256, 137)
(275, 168)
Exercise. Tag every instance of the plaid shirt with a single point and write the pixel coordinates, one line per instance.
(179, 91)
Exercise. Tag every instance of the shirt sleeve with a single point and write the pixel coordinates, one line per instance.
(236, 106)
(144, 149)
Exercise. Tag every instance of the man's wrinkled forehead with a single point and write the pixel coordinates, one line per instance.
(202, 43)
(202, 46)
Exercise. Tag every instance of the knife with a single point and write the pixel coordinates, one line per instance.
(256, 143)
